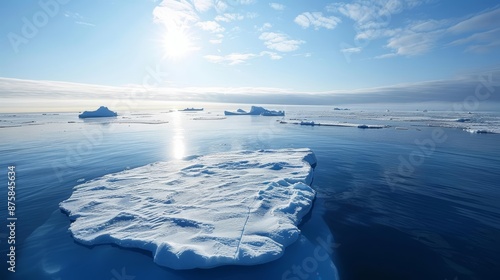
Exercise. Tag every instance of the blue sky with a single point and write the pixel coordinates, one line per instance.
(248, 45)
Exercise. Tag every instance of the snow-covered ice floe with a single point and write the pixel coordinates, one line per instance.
(235, 208)
(339, 124)
(99, 113)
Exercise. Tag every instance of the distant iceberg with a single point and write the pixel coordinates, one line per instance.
(256, 111)
(234, 208)
(477, 131)
(192, 110)
(311, 123)
(99, 113)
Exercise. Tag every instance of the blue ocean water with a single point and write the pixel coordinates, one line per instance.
(387, 207)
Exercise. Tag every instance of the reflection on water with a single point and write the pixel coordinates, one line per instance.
(178, 144)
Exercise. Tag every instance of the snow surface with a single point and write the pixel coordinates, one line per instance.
(228, 208)
(99, 113)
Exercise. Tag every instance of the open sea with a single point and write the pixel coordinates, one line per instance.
(418, 198)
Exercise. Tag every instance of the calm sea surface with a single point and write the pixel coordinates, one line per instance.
(410, 201)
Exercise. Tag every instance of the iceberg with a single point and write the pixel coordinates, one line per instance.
(192, 110)
(311, 123)
(99, 113)
(256, 111)
(233, 208)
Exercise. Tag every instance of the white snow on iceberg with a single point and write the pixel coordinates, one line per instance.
(238, 208)
(99, 113)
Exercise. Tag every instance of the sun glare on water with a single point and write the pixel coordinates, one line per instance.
(177, 43)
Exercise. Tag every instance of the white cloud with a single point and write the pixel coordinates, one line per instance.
(210, 26)
(228, 17)
(280, 42)
(218, 39)
(203, 5)
(85, 23)
(481, 21)
(70, 14)
(277, 6)
(240, 58)
(230, 59)
(411, 43)
(387, 55)
(264, 27)
(317, 20)
(79, 19)
(480, 42)
(272, 55)
(423, 36)
(428, 25)
(247, 2)
(372, 15)
(251, 15)
(176, 14)
(373, 20)
(351, 50)
(303, 54)
(221, 6)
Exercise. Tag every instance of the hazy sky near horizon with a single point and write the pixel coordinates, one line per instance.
(303, 46)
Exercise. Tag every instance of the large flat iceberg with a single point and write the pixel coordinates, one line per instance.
(235, 208)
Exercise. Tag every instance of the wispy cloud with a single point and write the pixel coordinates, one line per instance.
(480, 42)
(228, 17)
(409, 43)
(317, 20)
(280, 42)
(481, 21)
(277, 6)
(78, 18)
(240, 58)
(351, 50)
(373, 20)
(176, 14)
(218, 39)
(387, 55)
(230, 59)
(211, 26)
(247, 2)
(85, 23)
(264, 27)
(477, 33)
(203, 5)
(370, 14)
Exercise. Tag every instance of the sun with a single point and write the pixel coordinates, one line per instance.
(177, 43)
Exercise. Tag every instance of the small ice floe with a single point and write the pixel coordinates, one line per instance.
(477, 131)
